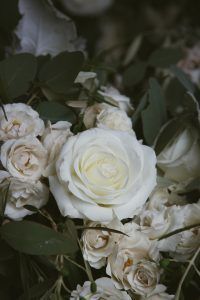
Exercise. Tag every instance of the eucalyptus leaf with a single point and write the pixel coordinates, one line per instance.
(134, 74)
(54, 112)
(183, 78)
(142, 104)
(36, 239)
(154, 116)
(60, 73)
(165, 57)
(16, 74)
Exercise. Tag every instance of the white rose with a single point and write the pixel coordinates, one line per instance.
(22, 193)
(91, 113)
(105, 289)
(157, 219)
(86, 7)
(24, 158)
(101, 171)
(124, 261)
(143, 277)
(188, 241)
(113, 96)
(114, 118)
(22, 121)
(87, 79)
(180, 159)
(99, 244)
(53, 139)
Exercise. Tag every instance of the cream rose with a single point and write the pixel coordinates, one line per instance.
(105, 289)
(113, 96)
(99, 244)
(22, 121)
(86, 7)
(22, 193)
(114, 118)
(180, 159)
(91, 113)
(124, 262)
(24, 158)
(53, 139)
(103, 171)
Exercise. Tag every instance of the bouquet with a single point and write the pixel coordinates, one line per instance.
(99, 156)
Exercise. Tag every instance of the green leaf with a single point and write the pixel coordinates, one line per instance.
(183, 78)
(167, 133)
(134, 74)
(165, 57)
(54, 111)
(154, 116)
(139, 109)
(60, 72)
(37, 290)
(16, 74)
(36, 239)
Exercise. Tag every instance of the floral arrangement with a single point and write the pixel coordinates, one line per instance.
(99, 161)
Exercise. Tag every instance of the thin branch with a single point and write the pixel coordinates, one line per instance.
(178, 231)
(191, 263)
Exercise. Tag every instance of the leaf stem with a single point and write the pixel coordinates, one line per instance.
(178, 231)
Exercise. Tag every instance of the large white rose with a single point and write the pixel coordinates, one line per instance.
(113, 96)
(105, 289)
(53, 139)
(22, 193)
(180, 159)
(133, 253)
(22, 121)
(101, 171)
(86, 7)
(99, 244)
(24, 158)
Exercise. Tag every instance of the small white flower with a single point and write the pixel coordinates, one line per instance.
(53, 139)
(86, 7)
(22, 193)
(87, 79)
(99, 244)
(114, 118)
(24, 158)
(113, 96)
(105, 290)
(180, 159)
(130, 255)
(100, 171)
(22, 121)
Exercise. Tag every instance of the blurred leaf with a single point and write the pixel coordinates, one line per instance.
(3, 200)
(165, 57)
(54, 112)
(183, 78)
(6, 252)
(133, 49)
(43, 29)
(154, 116)
(60, 72)
(9, 14)
(37, 290)
(36, 239)
(16, 73)
(167, 133)
(24, 274)
(142, 104)
(134, 74)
